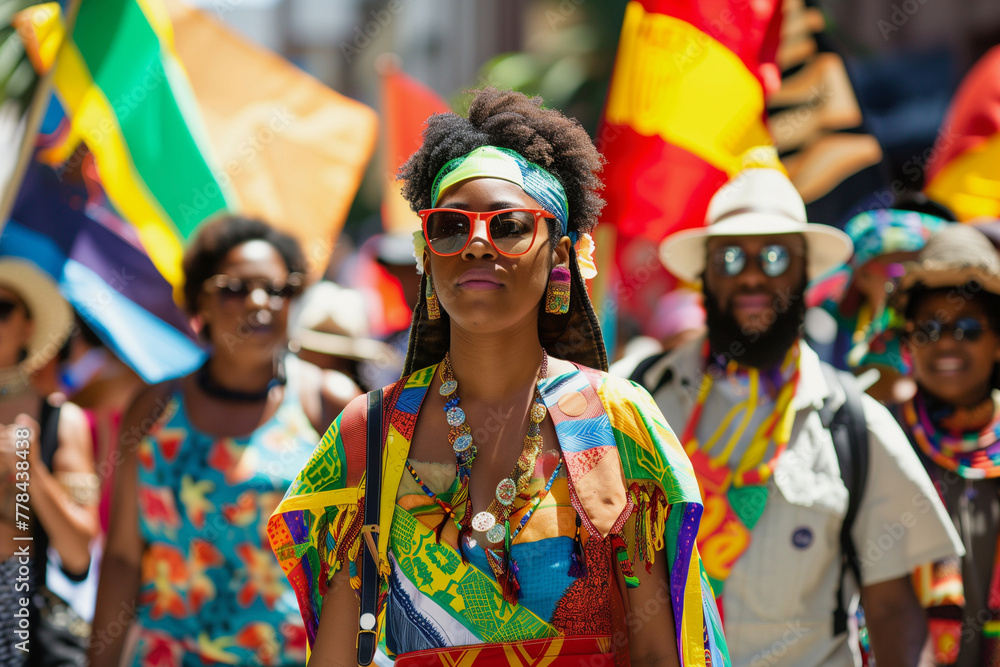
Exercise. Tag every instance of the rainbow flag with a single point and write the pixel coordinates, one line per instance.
(160, 119)
(686, 104)
(187, 121)
(127, 97)
(964, 170)
(110, 281)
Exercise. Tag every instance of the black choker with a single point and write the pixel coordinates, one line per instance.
(214, 389)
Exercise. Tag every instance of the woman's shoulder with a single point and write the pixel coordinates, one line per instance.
(645, 441)
(343, 446)
(621, 393)
(151, 401)
(71, 425)
(355, 414)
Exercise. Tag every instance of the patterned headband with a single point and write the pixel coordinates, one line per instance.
(508, 165)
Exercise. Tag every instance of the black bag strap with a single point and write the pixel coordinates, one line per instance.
(48, 442)
(849, 432)
(368, 613)
(48, 435)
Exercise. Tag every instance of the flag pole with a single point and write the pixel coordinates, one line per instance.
(36, 111)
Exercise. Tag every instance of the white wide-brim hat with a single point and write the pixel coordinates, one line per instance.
(756, 202)
(51, 314)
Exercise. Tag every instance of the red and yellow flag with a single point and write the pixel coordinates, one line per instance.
(964, 170)
(686, 104)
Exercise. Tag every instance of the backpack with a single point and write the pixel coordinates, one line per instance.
(849, 432)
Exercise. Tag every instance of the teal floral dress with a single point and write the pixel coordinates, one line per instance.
(212, 591)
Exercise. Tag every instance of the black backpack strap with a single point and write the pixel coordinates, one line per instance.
(368, 613)
(849, 432)
(48, 442)
(640, 371)
(48, 435)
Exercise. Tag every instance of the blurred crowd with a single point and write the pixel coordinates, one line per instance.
(93, 420)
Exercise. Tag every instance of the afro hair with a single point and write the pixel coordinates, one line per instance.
(512, 120)
(217, 238)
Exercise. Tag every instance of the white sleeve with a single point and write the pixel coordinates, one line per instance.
(901, 522)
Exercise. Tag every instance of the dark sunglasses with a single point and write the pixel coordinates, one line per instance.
(511, 232)
(234, 291)
(7, 309)
(731, 260)
(964, 328)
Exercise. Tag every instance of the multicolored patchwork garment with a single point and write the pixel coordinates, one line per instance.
(212, 592)
(625, 493)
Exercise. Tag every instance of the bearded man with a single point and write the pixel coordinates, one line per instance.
(750, 402)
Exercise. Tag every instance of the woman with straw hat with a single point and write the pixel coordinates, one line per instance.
(529, 500)
(951, 300)
(48, 485)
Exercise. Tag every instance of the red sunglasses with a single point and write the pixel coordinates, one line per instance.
(511, 231)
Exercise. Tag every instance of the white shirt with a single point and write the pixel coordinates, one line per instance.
(779, 599)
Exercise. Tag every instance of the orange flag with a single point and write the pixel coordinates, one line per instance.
(294, 150)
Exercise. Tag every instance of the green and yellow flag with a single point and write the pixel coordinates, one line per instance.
(186, 121)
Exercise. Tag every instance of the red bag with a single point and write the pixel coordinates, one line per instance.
(554, 652)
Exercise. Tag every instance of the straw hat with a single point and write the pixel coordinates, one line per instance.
(957, 255)
(50, 313)
(333, 320)
(755, 202)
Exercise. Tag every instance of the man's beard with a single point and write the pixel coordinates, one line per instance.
(763, 349)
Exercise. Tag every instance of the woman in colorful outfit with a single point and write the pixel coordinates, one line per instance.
(857, 294)
(529, 501)
(951, 300)
(204, 461)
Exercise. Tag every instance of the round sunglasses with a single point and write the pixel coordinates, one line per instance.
(511, 231)
(964, 328)
(233, 292)
(731, 260)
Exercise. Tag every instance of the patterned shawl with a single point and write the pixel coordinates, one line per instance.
(618, 450)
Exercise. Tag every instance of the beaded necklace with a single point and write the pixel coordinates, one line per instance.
(777, 427)
(973, 455)
(495, 520)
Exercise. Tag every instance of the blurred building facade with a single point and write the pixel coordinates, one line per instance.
(443, 43)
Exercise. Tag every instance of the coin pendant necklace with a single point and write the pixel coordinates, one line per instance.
(493, 521)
